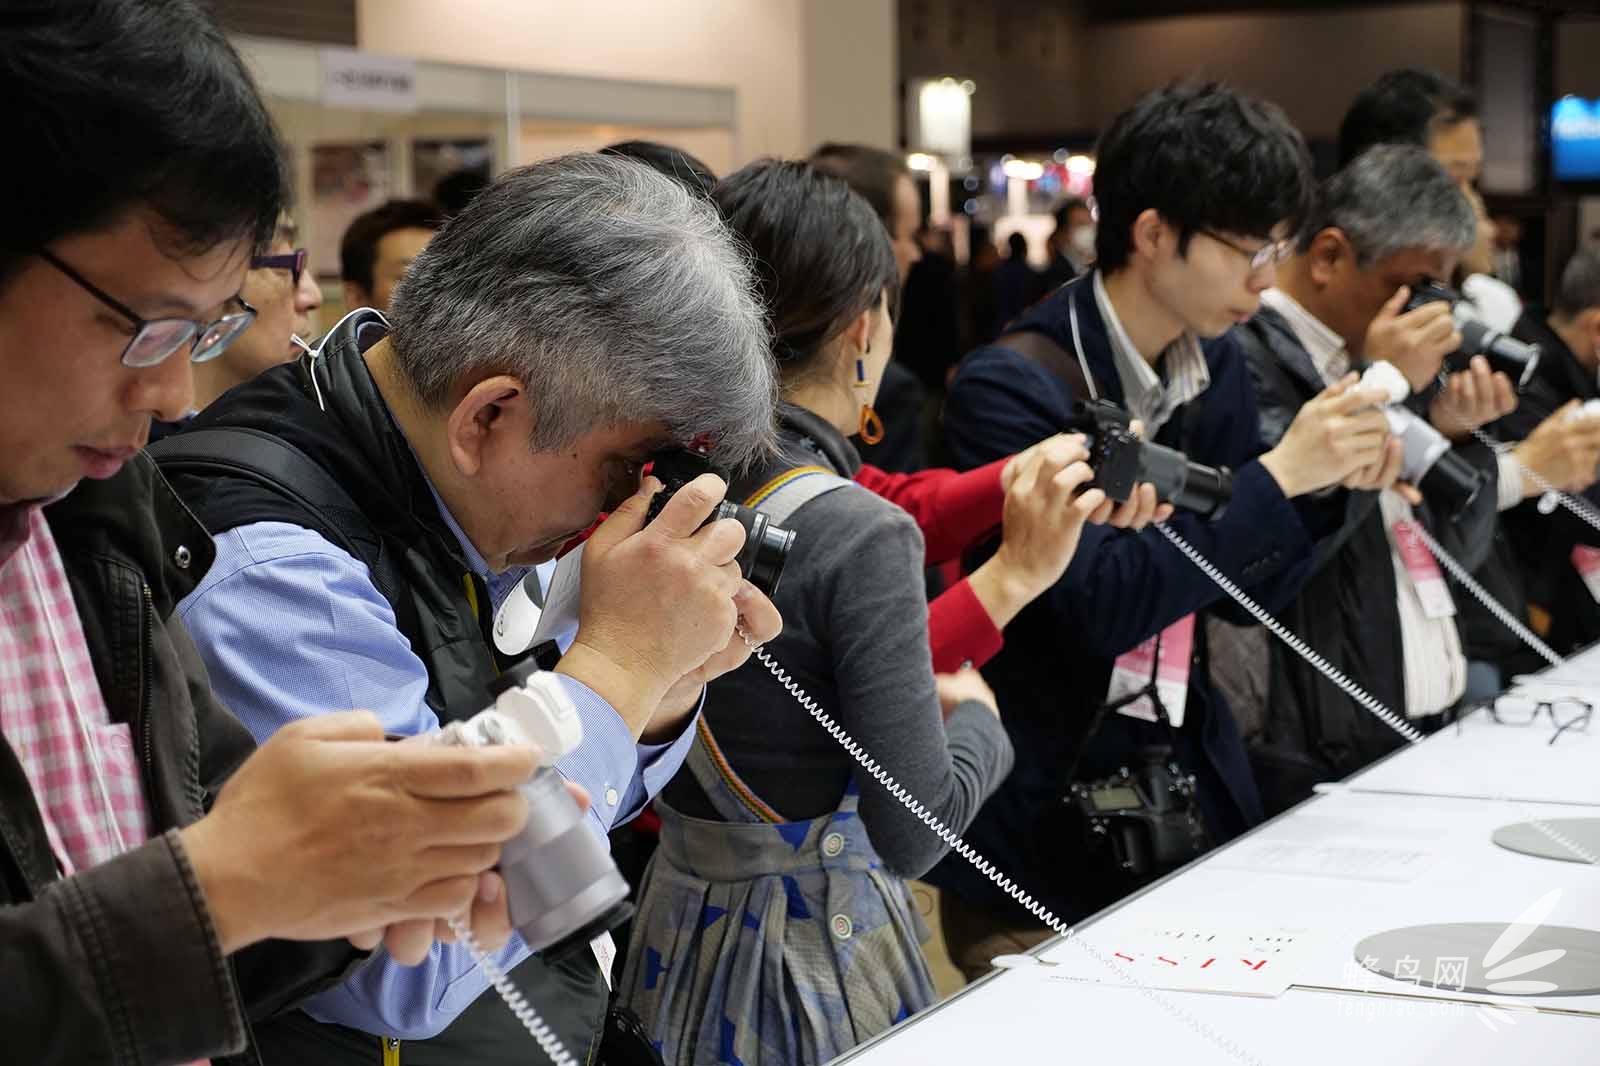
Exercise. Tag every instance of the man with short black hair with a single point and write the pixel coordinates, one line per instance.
(150, 854)
(378, 247)
(1201, 189)
(1422, 108)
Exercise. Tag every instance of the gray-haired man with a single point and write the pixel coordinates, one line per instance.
(1377, 607)
(580, 315)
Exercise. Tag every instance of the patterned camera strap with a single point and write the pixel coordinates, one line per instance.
(778, 499)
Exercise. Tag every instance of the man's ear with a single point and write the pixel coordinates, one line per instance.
(1328, 249)
(1146, 232)
(490, 413)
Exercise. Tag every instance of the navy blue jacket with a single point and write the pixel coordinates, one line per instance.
(1121, 589)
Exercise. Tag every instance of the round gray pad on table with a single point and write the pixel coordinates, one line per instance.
(1527, 838)
(1451, 958)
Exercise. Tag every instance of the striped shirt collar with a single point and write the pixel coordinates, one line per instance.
(1145, 395)
(1325, 347)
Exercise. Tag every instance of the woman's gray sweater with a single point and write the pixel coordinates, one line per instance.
(855, 637)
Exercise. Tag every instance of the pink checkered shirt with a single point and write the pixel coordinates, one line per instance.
(51, 710)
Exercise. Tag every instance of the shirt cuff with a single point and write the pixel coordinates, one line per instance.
(606, 761)
(1511, 487)
(658, 764)
(960, 630)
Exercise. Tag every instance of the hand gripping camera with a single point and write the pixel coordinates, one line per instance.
(1450, 482)
(766, 546)
(1121, 461)
(562, 888)
(1517, 360)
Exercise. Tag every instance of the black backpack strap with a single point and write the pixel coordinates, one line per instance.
(1039, 348)
(280, 467)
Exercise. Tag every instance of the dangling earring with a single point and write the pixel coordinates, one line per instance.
(870, 427)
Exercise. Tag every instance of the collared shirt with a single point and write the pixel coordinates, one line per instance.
(1430, 648)
(1435, 667)
(80, 764)
(1325, 347)
(1146, 396)
(290, 626)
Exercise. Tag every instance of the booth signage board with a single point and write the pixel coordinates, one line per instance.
(373, 82)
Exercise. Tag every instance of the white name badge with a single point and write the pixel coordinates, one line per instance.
(1133, 670)
(1424, 571)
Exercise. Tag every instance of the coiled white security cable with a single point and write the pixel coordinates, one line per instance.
(982, 865)
(1283, 633)
(549, 1042)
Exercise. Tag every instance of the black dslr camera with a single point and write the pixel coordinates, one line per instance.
(766, 546)
(1147, 816)
(1121, 461)
(1517, 360)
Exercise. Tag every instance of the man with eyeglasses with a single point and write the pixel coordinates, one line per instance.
(1377, 608)
(282, 294)
(1199, 189)
(280, 287)
(150, 855)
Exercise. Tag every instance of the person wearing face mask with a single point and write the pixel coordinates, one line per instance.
(1200, 189)
(774, 925)
(1071, 245)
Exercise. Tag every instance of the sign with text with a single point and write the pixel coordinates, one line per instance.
(371, 82)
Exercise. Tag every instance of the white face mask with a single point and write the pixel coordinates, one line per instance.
(1082, 240)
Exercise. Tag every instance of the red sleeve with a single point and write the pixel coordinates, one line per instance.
(954, 511)
(960, 630)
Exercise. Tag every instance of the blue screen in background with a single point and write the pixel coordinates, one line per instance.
(1575, 139)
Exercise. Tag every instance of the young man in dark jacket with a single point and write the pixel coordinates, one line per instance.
(1377, 607)
(1199, 190)
(148, 852)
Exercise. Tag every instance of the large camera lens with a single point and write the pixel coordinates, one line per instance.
(1507, 354)
(1426, 461)
(1512, 357)
(1121, 461)
(1205, 490)
(766, 546)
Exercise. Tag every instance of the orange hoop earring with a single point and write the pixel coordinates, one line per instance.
(870, 427)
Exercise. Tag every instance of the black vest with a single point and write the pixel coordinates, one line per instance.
(378, 507)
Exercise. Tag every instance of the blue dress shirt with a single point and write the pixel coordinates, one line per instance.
(290, 625)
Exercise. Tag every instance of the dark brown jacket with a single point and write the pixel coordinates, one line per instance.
(120, 963)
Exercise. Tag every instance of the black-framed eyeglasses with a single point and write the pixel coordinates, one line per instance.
(1566, 712)
(1268, 254)
(156, 339)
(294, 262)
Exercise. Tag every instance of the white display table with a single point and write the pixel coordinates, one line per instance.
(1407, 842)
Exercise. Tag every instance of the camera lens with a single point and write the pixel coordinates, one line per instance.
(1518, 361)
(766, 546)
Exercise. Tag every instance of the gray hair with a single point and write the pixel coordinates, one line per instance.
(1393, 197)
(1580, 284)
(610, 292)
